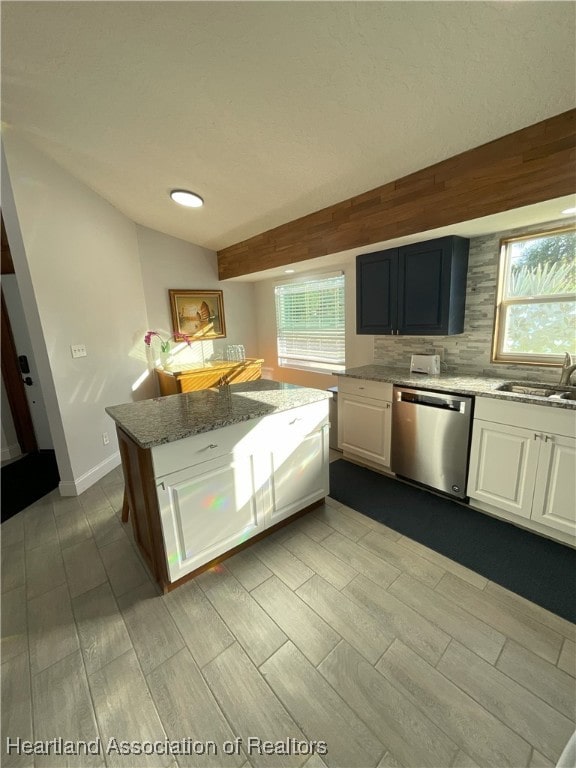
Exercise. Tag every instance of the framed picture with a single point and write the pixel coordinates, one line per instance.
(198, 314)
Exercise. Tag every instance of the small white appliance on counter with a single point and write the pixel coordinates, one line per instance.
(428, 364)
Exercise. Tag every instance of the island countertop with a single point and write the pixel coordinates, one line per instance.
(448, 382)
(166, 419)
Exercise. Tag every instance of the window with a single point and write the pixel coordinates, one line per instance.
(536, 308)
(310, 323)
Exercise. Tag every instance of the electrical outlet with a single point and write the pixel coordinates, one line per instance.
(78, 350)
(105, 438)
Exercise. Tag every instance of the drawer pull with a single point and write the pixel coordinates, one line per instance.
(212, 445)
(295, 420)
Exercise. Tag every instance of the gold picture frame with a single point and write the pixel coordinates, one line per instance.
(198, 314)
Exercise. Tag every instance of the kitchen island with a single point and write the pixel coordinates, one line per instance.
(207, 471)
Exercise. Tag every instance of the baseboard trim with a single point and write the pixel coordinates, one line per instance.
(80, 484)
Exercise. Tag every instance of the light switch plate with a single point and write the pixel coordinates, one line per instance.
(78, 350)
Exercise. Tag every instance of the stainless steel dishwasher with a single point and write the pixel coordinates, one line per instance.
(431, 438)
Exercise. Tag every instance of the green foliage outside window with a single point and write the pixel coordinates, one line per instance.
(541, 270)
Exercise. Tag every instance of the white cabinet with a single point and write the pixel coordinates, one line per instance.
(206, 509)
(503, 463)
(554, 502)
(365, 420)
(298, 474)
(523, 462)
(218, 489)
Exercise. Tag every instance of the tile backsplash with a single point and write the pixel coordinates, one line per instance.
(469, 352)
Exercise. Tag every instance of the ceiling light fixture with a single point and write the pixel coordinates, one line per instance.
(289, 271)
(568, 211)
(184, 197)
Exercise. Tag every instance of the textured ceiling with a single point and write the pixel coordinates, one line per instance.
(271, 110)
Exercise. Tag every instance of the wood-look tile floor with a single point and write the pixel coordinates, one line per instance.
(335, 629)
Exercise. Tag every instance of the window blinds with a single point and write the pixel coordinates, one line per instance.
(310, 323)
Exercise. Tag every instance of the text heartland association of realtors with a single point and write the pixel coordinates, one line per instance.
(251, 745)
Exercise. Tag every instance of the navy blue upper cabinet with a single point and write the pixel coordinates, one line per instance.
(417, 290)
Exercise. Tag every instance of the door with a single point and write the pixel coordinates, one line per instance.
(365, 428)
(14, 387)
(206, 510)
(298, 471)
(24, 352)
(503, 462)
(377, 292)
(554, 498)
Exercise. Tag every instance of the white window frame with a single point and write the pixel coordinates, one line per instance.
(503, 303)
(310, 362)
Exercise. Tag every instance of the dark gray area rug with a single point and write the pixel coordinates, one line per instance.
(536, 568)
(27, 480)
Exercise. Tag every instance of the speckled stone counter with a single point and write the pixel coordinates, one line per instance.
(165, 419)
(444, 382)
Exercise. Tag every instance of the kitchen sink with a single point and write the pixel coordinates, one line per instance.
(538, 390)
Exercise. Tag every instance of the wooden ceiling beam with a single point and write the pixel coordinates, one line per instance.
(529, 166)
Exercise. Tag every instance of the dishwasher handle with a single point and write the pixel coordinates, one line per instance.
(433, 400)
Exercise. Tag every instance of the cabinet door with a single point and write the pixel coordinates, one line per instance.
(503, 463)
(555, 495)
(424, 288)
(377, 292)
(365, 427)
(206, 510)
(298, 472)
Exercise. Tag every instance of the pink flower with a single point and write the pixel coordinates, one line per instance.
(165, 343)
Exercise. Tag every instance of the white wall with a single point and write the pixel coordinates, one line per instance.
(359, 349)
(168, 262)
(78, 270)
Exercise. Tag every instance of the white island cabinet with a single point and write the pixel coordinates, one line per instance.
(522, 465)
(263, 471)
(196, 497)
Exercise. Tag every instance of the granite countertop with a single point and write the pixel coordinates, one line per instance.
(165, 419)
(447, 382)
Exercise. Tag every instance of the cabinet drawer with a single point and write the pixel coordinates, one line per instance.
(297, 421)
(244, 438)
(377, 390)
(540, 418)
(173, 457)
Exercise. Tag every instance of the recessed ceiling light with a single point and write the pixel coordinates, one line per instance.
(289, 271)
(184, 197)
(568, 211)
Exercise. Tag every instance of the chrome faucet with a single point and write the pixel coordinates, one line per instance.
(567, 370)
